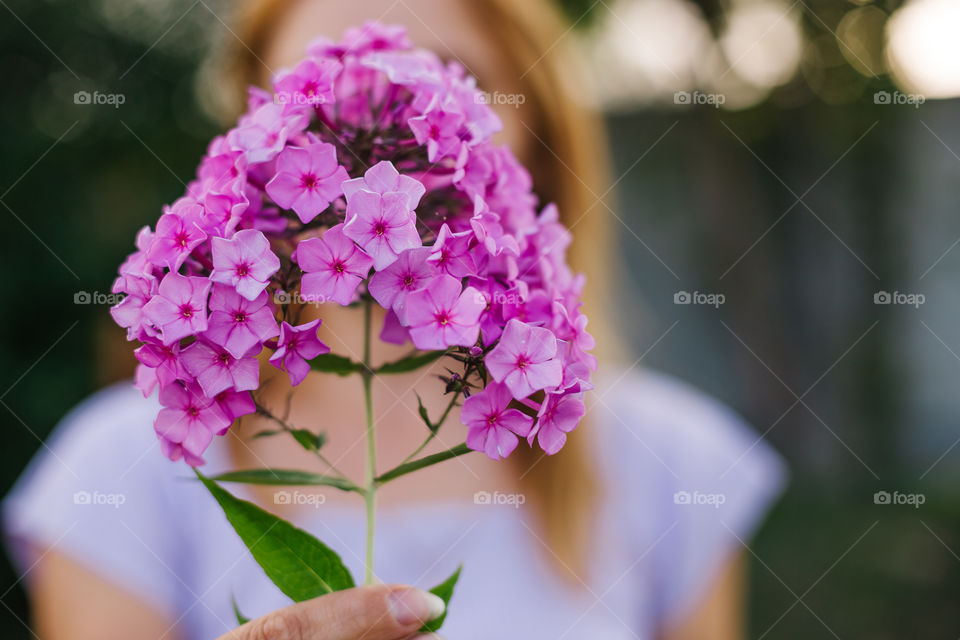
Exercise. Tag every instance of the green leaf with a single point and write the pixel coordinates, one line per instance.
(301, 566)
(284, 478)
(309, 440)
(305, 438)
(411, 363)
(420, 463)
(266, 433)
(422, 410)
(445, 591)
(241, 619)
(333, 363)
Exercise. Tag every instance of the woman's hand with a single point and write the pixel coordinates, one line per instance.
(378, 612)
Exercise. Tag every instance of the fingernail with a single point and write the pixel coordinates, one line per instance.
(428, 636)
(415, 605)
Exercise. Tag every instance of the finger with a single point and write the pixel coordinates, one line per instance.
(379, 612)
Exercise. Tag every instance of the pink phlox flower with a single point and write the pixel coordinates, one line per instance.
(307, 180)
(573, 329)
(391, 286)
(165, 360)
(333, 266)
(179, 309)
(238, 324)
(128, 313)
(393, 330)
(451, 253)
(489, 232)
(384, 225)
(357, 41)
(235, 404)
(178, 233)
(493, 427)
(308, 84)
(244, 261)
(525, 359)
(441, 315)
(187, 423)
(559, 415)
(440, 129)
(296, 346)
(417, 67)
(262, 134)
(216, 369)
(534, 307)
(383, 178)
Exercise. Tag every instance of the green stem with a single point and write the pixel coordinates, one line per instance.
(420, 463)
(434, 429)
(370, 495)
(263, 411)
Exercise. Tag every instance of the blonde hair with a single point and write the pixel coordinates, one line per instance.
(568, 163)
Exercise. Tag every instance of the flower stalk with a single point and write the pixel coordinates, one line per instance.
(370, 492)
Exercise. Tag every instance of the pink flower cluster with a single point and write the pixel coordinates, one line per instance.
(368, 174)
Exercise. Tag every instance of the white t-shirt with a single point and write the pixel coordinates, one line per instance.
(685, 482)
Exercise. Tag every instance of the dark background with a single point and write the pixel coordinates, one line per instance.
(798, 209)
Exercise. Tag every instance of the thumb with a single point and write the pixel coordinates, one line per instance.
(377, 612)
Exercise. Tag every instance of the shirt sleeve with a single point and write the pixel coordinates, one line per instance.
(99, 492)
(700, 483)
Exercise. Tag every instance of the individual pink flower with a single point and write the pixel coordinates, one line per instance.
(187, 423)
(310, 83)
(393, 330)
(383, 225)
(235, 404)
(178, 233)
(217, 370)
(165, 362)
(128, 313)
(308, 179)
(525, 359)
(262, 134)
(298, 345)
(180, 307)
(558, 416)
(451, 253)
(333, 265)
(439, 128)
(383, 178)
(493, 428)
(441, 315)
(238, 324)
(391, 286)
(372, 36)
(573, 329)
(245, 261)
(380, 212)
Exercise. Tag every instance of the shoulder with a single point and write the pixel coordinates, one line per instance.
(649, 413)
(689, 482)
